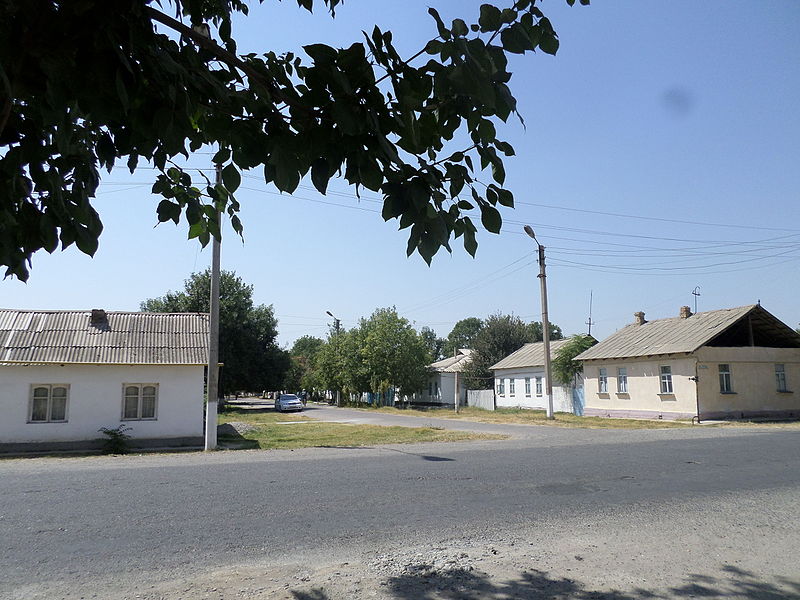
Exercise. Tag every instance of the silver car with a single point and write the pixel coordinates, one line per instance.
(288, 402)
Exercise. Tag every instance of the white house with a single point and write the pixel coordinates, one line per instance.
(519, 379)
(730, 363)
(445, 376)
(66, 374)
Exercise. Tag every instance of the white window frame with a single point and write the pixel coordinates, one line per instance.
(622, 380)
(602, 380)
(725, 378)
(527, 386)
(538, 386)
(512, 387)
(139, 416)
(49, 387)
(501, 388)
(780, 377)
(665, 379)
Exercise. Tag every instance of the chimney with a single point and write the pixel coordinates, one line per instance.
(686, 312)
(638, 318)
(98, 317)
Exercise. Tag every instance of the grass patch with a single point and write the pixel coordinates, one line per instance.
(263, 429)
(535, 417)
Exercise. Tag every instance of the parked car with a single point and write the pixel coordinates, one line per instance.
(288, 402)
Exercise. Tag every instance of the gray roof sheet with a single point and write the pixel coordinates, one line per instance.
(28, 336)
(530, 355)
(676, 335)
(452, 364)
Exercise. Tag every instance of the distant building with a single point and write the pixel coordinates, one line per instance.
(520, 380)
(441, 389)
(66, 374)
(731, 363)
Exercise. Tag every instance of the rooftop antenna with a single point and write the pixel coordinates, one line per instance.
(696, 294)
(590, 322)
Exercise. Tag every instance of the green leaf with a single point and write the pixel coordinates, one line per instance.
(443, 31)
(222, 155)
(505, 197)
(490, 18)
(320, 174)
(490, 218)
(459, 28)
(231, 178)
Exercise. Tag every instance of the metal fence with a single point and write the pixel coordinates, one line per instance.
(481, 399)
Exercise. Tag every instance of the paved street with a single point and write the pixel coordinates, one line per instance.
(653, 511)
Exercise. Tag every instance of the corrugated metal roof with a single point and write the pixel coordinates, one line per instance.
(679, 335)
(122, 338)
(452, 364)
(530, 355)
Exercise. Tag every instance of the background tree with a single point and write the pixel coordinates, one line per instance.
(564, 367)
(86, 84)
(500, 336)
(462, 335)
(252, 360)
(433, 343)
(394, 355)
(301, 371)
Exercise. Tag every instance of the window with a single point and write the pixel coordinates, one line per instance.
(48, 403)
(602, 381)
(666, 380)
(527, 386)
(622, 380)
(511, 383)
(139, 401)
(501, 390)
(780, 378)
(430, 388)
(725, 385)
(538, 386)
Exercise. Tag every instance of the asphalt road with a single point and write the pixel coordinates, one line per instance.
(71, 526)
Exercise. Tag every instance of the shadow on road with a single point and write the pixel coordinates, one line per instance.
(423, 583)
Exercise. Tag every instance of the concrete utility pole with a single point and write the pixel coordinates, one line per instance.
(212, 387)
(455, 367)
(545, 323)
(336, 324)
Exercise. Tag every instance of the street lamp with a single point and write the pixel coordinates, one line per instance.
(545, 322)
(336, 324)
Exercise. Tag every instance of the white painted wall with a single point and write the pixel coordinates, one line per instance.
(445, 383)
(95, 401)
(562, 396)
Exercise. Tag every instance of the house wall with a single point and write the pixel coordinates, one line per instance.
(446, 383)
(754, 385)
(644, 398)
(95, 401)
(562, 396)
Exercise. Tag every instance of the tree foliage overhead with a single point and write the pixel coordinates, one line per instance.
(500, 336)
(84, 85)
(564, 365)
(433, 343)
(251, 359)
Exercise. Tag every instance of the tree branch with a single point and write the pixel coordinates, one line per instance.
(221, 53)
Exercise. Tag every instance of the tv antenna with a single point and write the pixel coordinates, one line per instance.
(696, 294)
(590, 322)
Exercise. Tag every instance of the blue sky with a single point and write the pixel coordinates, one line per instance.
(660, 153)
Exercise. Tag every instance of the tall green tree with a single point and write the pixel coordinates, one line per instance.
(393, 353)
(301, 371)
(433, 343)
(565, 367)
(462, 335)
(251, 359)
(86, 84)
(500, 336)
